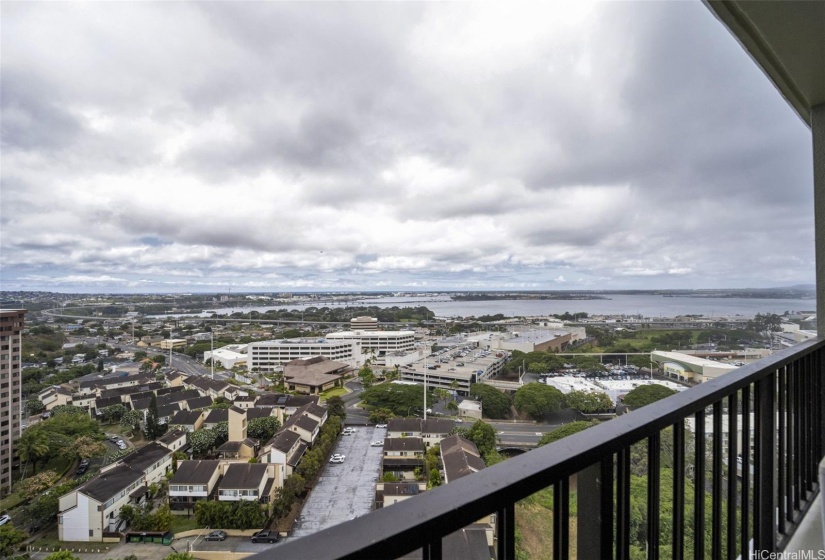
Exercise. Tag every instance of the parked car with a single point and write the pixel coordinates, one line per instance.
(348, 431)
(4, 519)
(337, 458)
(215, 536)
(266, 536)
(380, 425)
(377, 443)
(81, 470)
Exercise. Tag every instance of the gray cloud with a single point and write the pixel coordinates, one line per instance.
(322, 146)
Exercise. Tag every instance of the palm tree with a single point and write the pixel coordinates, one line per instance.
(32, 446)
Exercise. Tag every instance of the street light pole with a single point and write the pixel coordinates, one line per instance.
(425, 388)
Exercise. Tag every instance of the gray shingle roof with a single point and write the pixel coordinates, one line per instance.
(243, 476)
(194, 472)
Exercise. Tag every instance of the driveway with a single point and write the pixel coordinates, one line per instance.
(347, 490)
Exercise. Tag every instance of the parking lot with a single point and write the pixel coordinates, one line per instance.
(231, 544)
(346, 490)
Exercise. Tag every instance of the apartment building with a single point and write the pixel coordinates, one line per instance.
(11, 343)
(91, 510)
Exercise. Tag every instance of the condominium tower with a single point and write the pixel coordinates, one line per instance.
(11, 345)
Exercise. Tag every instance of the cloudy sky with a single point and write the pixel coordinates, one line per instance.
(395, 146)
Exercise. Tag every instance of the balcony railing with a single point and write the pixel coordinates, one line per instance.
(739, 506)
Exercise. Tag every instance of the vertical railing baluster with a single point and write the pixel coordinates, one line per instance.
(812, 460)
(432, 550)
(796, 453)
(764, 475)
(716, 478)
(623, 504)
(506, 532)
(820, 395)
(781, 449)
(733, 465)
(678, 490)
(804, 429)
(606, 499)
(699, 489)
(653, 489)
(561, 519)
(745, 498)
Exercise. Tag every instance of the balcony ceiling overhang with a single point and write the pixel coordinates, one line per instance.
(787, 40)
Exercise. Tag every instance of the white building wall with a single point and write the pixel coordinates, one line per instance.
(74, 524)
(269, 355)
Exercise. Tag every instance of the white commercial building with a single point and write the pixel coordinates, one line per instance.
(363, 324)
(272, 354)
(228, 356)
(568, 384)
(379, 343)
(685, 367)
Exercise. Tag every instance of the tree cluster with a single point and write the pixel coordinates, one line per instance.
(538, 400)
(494, 403)
(588, 402)
(400, 400)
(205, 439)
(567, 430)
(230, 515)
(144, 519)
(646, 394)
(263, 429)
(70, 432)
(10, 539)
(316, 457)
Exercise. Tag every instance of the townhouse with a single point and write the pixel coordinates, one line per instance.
(431, 430)
(91, 510)
(402, 456)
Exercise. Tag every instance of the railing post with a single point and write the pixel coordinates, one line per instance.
(818, 133)
(506, 532)
(595, 511)
(765, 465)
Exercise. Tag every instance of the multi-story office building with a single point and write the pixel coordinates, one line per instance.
(273, 354)
(11, 344)
(363, 324)
(378, 344)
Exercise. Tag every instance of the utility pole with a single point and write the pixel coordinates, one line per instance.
(425, 388)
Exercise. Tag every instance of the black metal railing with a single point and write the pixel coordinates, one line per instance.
(748, 493)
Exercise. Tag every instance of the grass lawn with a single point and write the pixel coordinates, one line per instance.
(181, 523)
(337, 392)
(11, 501)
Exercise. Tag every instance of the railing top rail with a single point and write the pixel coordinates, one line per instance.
(397, 530)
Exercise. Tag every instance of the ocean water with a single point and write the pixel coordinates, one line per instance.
(646, 305)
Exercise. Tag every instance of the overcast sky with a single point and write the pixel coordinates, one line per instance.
(393, 146)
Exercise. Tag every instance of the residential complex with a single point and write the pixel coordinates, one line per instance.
(11, 344)
(93, 509)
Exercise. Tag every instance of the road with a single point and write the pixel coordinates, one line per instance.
(520, 433)
(354, 415)
(515, 433)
